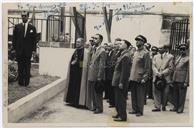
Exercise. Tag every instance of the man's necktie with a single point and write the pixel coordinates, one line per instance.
(161, 56)
(24, 28)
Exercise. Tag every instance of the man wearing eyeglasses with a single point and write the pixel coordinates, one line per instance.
(181, 79)
(96, 74)
(24, 44)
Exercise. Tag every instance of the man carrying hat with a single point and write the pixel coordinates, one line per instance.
(181, 79)
(24, 44)
(162, 67)
(139, 76)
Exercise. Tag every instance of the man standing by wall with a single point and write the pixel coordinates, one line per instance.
(74, 95)
(24, 44)
(96, 74)
(120, 81)
(181, 79)
(139, 75)
(162, 74)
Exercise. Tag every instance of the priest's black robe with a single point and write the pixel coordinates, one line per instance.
(75, 78)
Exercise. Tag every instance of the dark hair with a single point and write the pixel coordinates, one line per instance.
(148, 45)
(127, 43)
(118, 39)
(101, 37)
(154, 48)
(25, 12)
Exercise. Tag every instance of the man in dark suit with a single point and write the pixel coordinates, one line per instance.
(139, 75)
(181, 79)
(24, 44)
(120, 81)
(96, 74)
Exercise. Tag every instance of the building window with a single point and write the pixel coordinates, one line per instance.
(168, 20)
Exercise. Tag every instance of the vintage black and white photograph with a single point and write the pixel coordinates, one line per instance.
(97, 64)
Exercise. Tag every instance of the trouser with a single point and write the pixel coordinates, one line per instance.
(106, 90)
(120, 102)
(148, 90)
(137, 96)
(24, 65)
(180, 96)
(89, 95)
(98, 96)
(160, 96)
(111, 93)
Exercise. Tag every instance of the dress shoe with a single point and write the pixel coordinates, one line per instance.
(117, 116)
(173, 110)
(179, 112)
(119, 119)
(163, 108)
(156, 110)
(139, 114)
(111, 106)
(92, 109)
(21, 84)
(97, 111)
(133, 112)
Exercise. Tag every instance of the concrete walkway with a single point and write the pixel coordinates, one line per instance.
(55, 111)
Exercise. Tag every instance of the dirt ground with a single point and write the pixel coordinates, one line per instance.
(37, 81)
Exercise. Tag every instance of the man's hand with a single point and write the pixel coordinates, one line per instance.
(33, 52)
(142, 81)
(99, 79)
(185, 85)
(121, 86)
(159, 75)
(171, 85)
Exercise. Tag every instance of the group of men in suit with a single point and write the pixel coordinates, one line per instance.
(148, 72)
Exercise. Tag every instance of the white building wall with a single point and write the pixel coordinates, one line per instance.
(128, 28)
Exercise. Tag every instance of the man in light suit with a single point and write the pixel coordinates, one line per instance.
(162, 69)
(96, 74)
(120, 81)
(139, 76)
(181, 79)
(24, 44)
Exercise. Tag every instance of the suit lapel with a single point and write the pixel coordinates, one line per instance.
(27, 30)
(98, 51)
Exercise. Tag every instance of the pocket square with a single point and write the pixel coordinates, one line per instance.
(31, 31)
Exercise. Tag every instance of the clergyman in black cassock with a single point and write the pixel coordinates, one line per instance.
(72, 96)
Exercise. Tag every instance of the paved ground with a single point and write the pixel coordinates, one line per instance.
(55, 111)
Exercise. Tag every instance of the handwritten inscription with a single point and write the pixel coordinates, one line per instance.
(119, 10)
(126, 8)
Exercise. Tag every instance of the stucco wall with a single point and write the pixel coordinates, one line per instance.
(55, 61)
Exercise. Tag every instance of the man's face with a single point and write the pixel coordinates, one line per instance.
(117, 44)
(122, 45)
(161, 50)
(79, 43)
(91, 42)
(24, 18)
(139, 43)
(154, 52)
(183, 50)
(97, 40)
